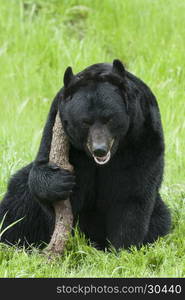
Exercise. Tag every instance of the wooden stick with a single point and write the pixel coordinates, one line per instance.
(59, 154)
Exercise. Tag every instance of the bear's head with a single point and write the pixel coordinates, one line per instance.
(94, 109)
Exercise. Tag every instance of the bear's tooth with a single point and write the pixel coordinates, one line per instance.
(102, 160)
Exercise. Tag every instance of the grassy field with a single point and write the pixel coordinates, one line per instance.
(38, 40)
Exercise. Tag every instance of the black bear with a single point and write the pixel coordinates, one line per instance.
(113, 124)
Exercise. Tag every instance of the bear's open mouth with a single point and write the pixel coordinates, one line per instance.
(103, 159)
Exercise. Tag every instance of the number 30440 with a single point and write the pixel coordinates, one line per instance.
(157, 289)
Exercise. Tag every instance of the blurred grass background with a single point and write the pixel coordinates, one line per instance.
(38, 40)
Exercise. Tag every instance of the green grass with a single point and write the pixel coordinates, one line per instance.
(38, 40)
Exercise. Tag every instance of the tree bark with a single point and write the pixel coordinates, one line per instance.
(59, 154)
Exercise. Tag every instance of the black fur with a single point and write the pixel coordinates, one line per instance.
(117, 202)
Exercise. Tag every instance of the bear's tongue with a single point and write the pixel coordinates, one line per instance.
(102, 160)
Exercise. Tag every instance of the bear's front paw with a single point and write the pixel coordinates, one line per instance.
(60, 184)
(50, 183)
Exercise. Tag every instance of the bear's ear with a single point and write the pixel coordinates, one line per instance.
(68, 76)
(118, 67)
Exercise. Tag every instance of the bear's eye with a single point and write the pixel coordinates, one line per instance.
(65, 123)
(106, 119)
(86, 122)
